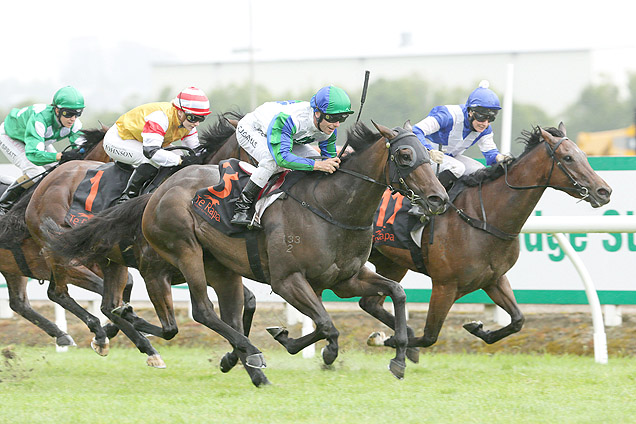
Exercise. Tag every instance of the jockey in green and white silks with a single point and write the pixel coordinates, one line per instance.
(455, 128)
(27, 136)
(276, 135)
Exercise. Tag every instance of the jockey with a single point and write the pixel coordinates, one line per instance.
(276, 135)
(139, 136)
(456, 128)
(27, 136)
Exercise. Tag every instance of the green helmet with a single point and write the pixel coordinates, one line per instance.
(68, 98)
(331, 100)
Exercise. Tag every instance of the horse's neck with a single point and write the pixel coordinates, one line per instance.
(98, 154)
(506, 208)
(352, 198)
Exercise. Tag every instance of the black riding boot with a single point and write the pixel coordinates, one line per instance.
(10, 196)
(242, 209)
(447, 178)
(138, 178)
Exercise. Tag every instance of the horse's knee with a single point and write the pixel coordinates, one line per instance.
(250, 302)
(170, 332)
(517, 324)
(17, 306)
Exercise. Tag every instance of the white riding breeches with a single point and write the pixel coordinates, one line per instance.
(125, 151)
(14, 150)
(460, 165)
(254, 142)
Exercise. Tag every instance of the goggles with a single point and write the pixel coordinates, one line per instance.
(195, 118)
(69, 113)
(338, 117)
(489, 116)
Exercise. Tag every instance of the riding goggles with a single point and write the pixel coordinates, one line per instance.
(489, 116)
(69, 113)
(338, 117)
(194, 118)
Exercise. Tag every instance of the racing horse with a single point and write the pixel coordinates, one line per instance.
(52, 200)
(20, 257)
(318, 238)
(464, 258)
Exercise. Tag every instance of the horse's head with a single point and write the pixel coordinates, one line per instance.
(410, 170)
(575, 175)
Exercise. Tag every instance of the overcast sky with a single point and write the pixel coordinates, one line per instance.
(37, 35)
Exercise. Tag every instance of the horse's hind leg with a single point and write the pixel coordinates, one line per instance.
(503, 296)
(19, 302)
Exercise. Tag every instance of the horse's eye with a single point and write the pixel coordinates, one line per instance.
(567, 158)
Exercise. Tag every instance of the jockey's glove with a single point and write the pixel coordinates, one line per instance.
(191, 160)
(437, 156)
(71, 154)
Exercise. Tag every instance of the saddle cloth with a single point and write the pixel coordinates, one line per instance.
(394, 226)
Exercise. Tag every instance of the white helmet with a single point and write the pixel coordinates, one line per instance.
(192, 100)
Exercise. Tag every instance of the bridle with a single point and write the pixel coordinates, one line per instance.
(580, 189)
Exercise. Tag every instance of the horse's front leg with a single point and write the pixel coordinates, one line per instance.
(368, 283)
(230, 359)
(501, 293)
(297, 291)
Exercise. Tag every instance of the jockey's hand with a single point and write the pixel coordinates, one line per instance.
(328, 165)
(501, 157)
(70, 155)
(437, 156)
(191, 160)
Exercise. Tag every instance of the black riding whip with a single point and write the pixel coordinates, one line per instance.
(362, 99)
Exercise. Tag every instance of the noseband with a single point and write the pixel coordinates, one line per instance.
(580, 189)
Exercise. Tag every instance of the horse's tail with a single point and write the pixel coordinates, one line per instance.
(13, 228)
(93, 240)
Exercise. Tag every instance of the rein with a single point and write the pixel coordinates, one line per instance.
(485, 226)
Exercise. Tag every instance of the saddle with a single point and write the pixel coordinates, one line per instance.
(102, 186)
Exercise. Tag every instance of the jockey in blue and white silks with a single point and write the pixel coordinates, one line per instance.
(455, 128)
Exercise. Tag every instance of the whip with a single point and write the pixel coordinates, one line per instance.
(362, 99)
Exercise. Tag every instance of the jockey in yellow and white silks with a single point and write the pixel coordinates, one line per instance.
(139, 136)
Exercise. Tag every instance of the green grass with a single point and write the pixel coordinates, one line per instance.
(42, 386)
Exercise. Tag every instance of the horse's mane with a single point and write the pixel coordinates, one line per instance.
(214, 137)
(360, 138)
(93, 136)
(530, 138)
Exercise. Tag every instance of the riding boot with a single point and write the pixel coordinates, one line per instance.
(138, 178)
(447, 178)
(11, 195)
(243, 212)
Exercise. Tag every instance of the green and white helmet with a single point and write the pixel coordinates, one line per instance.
(68, 98)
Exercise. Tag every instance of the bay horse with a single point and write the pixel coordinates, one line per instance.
(301, 253)
(20, 257)
(51, 202)
(463, 258)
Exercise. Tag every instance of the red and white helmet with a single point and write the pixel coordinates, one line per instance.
(192, 100)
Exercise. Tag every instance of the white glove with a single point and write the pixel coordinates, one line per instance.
(436, 156)
(501, 157)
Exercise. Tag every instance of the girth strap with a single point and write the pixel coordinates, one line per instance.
(20, 259)
(484, 226)
(251, 244)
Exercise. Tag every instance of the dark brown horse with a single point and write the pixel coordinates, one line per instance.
(51, 202)
(20, 257)
(301, 253)
(462, 258)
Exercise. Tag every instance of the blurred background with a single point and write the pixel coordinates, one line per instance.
(570, 61)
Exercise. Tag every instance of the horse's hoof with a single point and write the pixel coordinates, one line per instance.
(328, 356)
(155, 361)
(228, 362)
(256, 360)
(397, 369)
(473, 327)
(65, 340)
(101, 349)
(413, 354)
(276, 331)
(376, 338)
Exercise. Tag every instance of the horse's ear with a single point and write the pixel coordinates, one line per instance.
(562, 129)
(233, 122)
(546, 135)
(104, 127)
(386, 132)
(407, 125)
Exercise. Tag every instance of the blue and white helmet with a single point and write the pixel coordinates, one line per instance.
(484, 97)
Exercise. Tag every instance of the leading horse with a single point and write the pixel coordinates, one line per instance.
(463, 258)
(301, 253)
